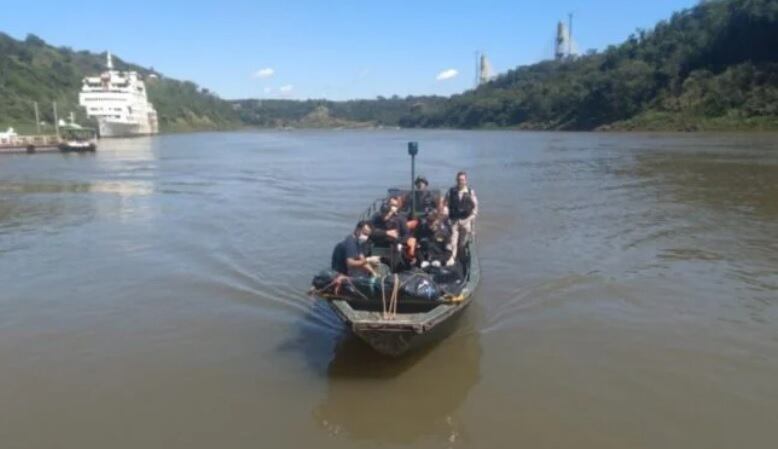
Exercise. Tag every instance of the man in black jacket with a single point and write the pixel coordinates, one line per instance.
(462, 205)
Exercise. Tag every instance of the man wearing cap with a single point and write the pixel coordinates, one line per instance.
(426, 200)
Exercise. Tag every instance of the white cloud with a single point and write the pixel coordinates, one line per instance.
(268, 90)
(286, 89)
(447, 74)
(267, 72)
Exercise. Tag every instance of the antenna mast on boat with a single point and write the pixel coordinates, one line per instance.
(413, 150)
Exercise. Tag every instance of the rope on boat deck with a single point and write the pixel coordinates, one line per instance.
(323, 291)
(337, 282)
(389, 312)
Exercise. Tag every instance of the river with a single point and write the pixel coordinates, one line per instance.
(152, 295)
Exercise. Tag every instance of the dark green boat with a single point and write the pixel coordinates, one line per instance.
(393, 324)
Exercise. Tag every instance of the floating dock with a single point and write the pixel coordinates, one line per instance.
(30, 144)
(11, 143)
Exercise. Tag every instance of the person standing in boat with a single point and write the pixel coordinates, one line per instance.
(348, 257)
(462, 205)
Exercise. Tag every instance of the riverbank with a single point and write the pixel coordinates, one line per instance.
(665, 121)
(637, 125)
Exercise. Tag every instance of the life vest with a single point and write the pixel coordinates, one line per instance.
(459, 209)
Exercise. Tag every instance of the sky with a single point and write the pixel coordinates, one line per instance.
(335, 49)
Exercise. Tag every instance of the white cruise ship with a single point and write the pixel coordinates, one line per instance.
(118, 101)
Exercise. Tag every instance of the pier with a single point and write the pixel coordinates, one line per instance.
(13, 143)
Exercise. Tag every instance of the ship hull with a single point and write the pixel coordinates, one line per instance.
(122, 129)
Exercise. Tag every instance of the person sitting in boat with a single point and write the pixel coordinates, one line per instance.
(433, 235)
(348, 257)
(462, 205)
(390, 228)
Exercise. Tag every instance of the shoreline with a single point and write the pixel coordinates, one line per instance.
(769, 125)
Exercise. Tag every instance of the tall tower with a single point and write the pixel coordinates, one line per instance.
(562, 45)
(477, 72)
(484, 70)
(109, 61)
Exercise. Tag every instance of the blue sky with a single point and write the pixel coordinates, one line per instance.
(328, 49)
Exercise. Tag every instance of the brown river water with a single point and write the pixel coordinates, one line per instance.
(152, 295)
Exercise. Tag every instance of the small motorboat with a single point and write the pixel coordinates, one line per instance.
(77, 146)
(77, 139)
(405, 309)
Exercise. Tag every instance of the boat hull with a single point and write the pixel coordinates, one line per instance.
(69, 148)
(110, 128)
(395, 343)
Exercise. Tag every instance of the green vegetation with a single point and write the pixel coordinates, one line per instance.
(32, 70)
(182, 106)
(714, 66)
(711, 67)
(328, 114)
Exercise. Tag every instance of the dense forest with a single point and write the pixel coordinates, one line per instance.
(31, 70)
(713, 66)
(325, 113)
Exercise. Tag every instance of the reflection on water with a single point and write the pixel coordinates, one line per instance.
(155, 290)
(58, 191)
(386, 400)
(370, 398)
(117, 153)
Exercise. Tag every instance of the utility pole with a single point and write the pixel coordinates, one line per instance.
(570, 35)
(477, 77)
(56, 120)
(37, 117)
(560, 46)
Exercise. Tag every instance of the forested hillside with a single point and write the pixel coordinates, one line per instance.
(325, 113)
(714, 66)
